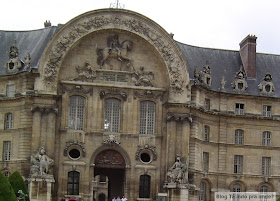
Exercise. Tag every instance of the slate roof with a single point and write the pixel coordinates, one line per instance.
(227, 62)
(33, 42)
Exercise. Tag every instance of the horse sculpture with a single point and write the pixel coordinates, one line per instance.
(114, 51)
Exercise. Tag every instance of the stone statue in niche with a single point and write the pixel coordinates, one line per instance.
(14, 63)
(176, 173)
(266, 87)
(142, 78)
(114, 51)
(240, 84)
(41, 163)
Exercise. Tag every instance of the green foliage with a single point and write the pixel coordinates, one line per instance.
(17, 183)
(6, 190)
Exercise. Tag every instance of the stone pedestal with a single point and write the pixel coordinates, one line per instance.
(177, 192)
(40, 188)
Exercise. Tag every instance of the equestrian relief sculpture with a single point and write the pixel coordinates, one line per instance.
(41, 163)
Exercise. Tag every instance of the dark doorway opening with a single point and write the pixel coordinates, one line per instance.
(116, 178)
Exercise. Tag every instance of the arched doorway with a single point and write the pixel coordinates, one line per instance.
(111, 164)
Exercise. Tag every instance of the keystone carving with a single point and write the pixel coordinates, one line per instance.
(77, 89)
(148, 94)
(266, 87)
(111, 141)
(178, 117)
(85, 26)
(113, 92)
(240, 84)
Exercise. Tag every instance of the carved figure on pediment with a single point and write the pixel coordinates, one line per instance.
(240, 84)
(114, 50)
(142, 78)
(223, 83)
(176, 173)
(85, 73)
(266, 87)
(40, 163)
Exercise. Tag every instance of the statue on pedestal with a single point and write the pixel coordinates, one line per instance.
(176, 173)
(40, 163)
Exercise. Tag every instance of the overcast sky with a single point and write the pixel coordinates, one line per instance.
(207, 23)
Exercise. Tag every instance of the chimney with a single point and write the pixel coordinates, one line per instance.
(248, 55)
(47, 23)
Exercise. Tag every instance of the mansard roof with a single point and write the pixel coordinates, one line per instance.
(227, 62)
(33, 42)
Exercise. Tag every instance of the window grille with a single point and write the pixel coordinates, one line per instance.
(202, 193)
(10, 90)
(239, 137)
(267, 110)
(206, 133)
(205, 161)
(147, 117)
(266, 138)
(266, 161)
(73, 183)
(207, 103)
(145, 186)
(76, 113)
(239, 109)
(8, 121)
(112, 115)
(6, 150)
(238, 164)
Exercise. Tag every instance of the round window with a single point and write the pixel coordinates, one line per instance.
(146, 158)
(74, 153)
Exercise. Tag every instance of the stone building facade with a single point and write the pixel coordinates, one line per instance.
(113, 99)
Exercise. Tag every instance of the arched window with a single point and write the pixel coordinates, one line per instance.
(76, 113)
(239, 137)
(145, 186)
(264, 189)
(202, 193)
(206, 133)
(112, 115)
(8, 121)
(237, 189)
(266, 138)
(147, 117)
(73, 183)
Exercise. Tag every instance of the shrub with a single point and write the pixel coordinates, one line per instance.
(6, 190)
(17, 183)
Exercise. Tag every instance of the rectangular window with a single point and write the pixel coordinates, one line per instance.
(205, 161)
(112, 115)
(76, 113)
(239, 135)
(10, 90)
(207, 103)
(239, 108)
(8, 121)
(147, 117)
(206, 133)
(266, 162)
(73, 183)
(6, 150)
(266, 138)
(238, 164)
(267, 110)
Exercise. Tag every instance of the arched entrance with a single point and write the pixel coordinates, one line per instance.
(111, 164)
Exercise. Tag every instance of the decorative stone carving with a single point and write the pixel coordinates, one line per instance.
(146, 148)
(114, 50)
(148, 94)
(80, 28)
(110, 158)
(111, 141)
(266, 87)
(44, 109)
(75, 143)
(40, 163)
(204, 76)
(142, 78)
(86, 73)
(27, 61)
(14, 63)
(179, 117)
(240, 84)
(113, 92)
(223, 83)
(176, 173)
(77, 89)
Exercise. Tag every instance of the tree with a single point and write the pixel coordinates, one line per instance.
(17, 183)
(6, 190)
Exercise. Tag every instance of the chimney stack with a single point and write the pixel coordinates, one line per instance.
(248, 55)
(47, 23)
